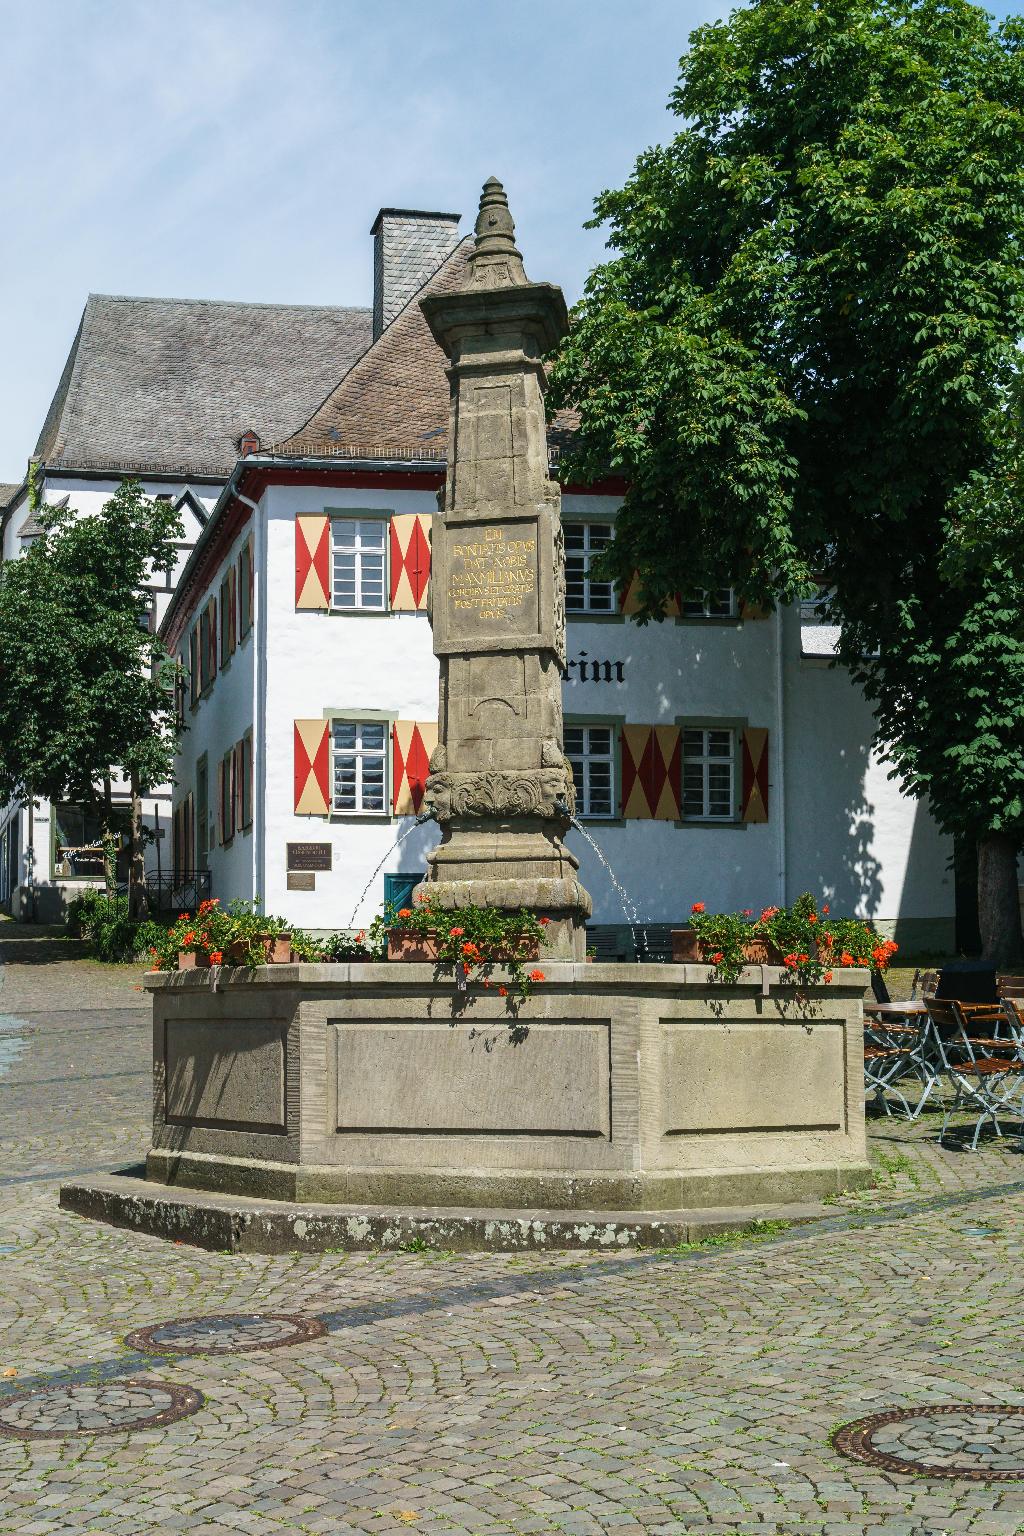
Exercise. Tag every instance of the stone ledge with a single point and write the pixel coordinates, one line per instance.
(557, 973)
(237, 1224)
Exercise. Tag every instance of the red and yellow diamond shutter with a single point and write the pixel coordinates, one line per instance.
(410, 561)
(754, 785)
(412, 742)
(312, 767)
(651, 772)
(312, 560)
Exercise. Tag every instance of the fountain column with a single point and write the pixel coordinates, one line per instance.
(500, 786)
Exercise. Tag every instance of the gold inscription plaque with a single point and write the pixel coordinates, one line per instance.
(493, 576)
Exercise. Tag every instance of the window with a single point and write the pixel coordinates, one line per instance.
(77, 842)
(227, 617)
(582, 542)
(226, 797)
(180, 685)
(359, 766)
(709, 760)
(243, 783)
(202, 813)
(717, 604)
(245, 574)
(208, 645)
(358, 546)
(591, 752)
(193, 666)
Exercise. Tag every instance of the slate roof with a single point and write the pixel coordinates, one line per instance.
(7, 495)
(171, 384)
(394, 401)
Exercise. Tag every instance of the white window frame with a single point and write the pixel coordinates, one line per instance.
(361, 754)
(583, 790)
(700, 607)
(588, 553)
(708, 759)
(356, 520)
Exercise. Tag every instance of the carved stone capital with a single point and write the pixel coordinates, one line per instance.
(533, 792)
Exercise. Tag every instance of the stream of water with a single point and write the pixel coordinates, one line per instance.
(626, 901)
(367, 887)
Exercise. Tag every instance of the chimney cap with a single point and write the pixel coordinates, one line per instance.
(412, 213)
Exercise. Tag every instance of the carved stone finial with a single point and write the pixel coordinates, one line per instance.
(496, 263)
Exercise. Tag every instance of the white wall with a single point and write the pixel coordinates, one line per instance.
(850, 836)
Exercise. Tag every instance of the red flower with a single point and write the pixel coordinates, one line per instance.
(469, 949)
(456, 933)
(717, 957)
(802, 959)
(536, 975)
(216, 956)
(789, 961)
(826, 908)
(360, 936)
(405, 912)
(812, 917)
(846, 958)
(827, 976)
(698, 906)
(543, 921)
(465, 968)
(748, 911)
(503, 991)
(766, 913)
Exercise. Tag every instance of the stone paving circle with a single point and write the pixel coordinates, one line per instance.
(109, 1408)
(228, 1333)
(975, 1442)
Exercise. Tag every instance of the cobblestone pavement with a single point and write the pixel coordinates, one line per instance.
(694, 1392)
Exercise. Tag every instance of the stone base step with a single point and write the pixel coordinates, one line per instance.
(236, 1224)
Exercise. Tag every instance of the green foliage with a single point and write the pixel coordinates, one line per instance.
(471, 941)
(811, 943)
(107, 931)
(83, 690)
(804, 357)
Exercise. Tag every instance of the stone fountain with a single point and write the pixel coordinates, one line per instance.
(309, 1106)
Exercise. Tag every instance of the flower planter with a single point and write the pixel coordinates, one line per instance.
(277, 949)
(422, 947)
(192, 959)
(687, 947)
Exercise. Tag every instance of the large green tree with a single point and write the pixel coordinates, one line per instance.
(85, 691)
(804, 356)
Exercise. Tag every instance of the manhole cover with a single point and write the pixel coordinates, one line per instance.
(52, 1413)
(227, 1334)
(957, 1440)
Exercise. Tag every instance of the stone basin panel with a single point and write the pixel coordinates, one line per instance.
(614, 1087)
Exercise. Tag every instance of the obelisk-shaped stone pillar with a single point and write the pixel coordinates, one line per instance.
(500, 786)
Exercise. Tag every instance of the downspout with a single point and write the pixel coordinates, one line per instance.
(259, 710)
(779, 795)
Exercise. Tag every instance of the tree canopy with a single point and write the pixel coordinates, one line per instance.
(804, 356)
(84, 688)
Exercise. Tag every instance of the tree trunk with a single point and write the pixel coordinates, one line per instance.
(138, 901)
(999, 900)
(108, 840)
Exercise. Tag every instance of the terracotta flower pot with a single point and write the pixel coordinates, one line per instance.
(192, 959)
(277, 949)
(413, 947)
(686, 947)
(423, 947)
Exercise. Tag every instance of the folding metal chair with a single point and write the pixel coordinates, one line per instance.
(892, 1052)
(985, 1069)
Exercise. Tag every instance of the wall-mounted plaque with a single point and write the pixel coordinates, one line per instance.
(309, 855)
(301, 880)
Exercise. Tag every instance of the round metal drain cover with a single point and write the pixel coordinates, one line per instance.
(54, 1413)
(229, 1333)
(975, 1443)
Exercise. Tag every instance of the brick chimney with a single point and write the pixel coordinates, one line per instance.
(408, 246)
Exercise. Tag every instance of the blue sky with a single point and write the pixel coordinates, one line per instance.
(221, 149)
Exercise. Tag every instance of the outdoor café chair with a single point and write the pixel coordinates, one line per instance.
(894, 1050)
(985, 1069)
